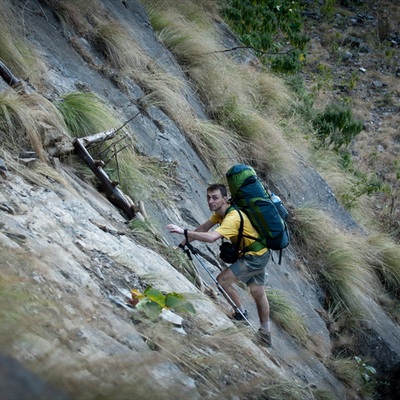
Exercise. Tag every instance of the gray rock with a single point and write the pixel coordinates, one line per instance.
(17, 383)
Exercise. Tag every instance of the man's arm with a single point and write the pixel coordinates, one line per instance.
(200, 233)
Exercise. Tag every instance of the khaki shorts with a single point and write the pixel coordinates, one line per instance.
(252, 269)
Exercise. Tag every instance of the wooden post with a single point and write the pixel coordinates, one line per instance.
(7, 75)
(113, 193)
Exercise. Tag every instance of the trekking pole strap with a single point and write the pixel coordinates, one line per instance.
(190, 248)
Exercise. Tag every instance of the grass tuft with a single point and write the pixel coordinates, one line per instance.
(119, 47)
(17, 54)
(268, 93)
(384, 255)
(345, 369)
(25, 120)
(84, 114)
(75, 14)
(338, 258)
(286, 316)
(347, 277)
(312, 229)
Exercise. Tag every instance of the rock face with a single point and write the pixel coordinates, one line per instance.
(16, 383)
(68, 254)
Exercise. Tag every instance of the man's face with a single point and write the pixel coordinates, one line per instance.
(215, 200)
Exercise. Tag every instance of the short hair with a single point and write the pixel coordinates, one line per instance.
(218, 186)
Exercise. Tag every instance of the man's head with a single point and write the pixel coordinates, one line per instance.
(217, 198)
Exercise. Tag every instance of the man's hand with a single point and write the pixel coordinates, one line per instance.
(175, 229)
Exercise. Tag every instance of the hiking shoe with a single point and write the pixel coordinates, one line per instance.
(239, 317)
(264, 338)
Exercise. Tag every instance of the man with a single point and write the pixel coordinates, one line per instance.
(250, 268)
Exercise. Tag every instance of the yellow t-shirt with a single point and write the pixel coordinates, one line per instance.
(229, 229)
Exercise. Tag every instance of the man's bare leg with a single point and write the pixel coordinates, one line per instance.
(260, 298)
(226, 279)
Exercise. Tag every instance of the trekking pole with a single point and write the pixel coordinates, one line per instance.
(220, 288)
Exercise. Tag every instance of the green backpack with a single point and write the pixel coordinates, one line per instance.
(250, 196)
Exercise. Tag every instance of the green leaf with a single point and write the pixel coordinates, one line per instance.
(155, 295)
(149, 307)
(178, 303)
(174, 294)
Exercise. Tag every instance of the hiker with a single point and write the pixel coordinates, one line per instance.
(250, 268)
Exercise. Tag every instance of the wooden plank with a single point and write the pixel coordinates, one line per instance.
(115, 195)
(7, 75)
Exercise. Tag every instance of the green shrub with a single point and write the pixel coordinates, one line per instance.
(287, 63)
(270, 26)
(363, 185)
(336, 126)
(305, 102)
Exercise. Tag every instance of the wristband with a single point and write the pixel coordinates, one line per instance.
(185, 232)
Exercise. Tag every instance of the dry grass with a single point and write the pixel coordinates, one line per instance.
(268, 151)
(284, 314)
(165, 91)
(25, 119)
(113, 39)
(42, 174)
(312, 229)
(269, 94)
(346, 370)
(74, 15)
(231, 92)
(212, 359)
(143, 178)
(168, 93)
(120, 48)
(343, 184)
(197, 48)
(9, 54)
(347, 276)
(384, 255)
(16, 52)
(218, 146)
(18, 128)
(197, 11)
(339, 258)
(223, 87)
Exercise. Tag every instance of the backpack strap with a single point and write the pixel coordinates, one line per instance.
(258, 243)
(240, 234)
(280, 256)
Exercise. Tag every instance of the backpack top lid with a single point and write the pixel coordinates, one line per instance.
(241, 175)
